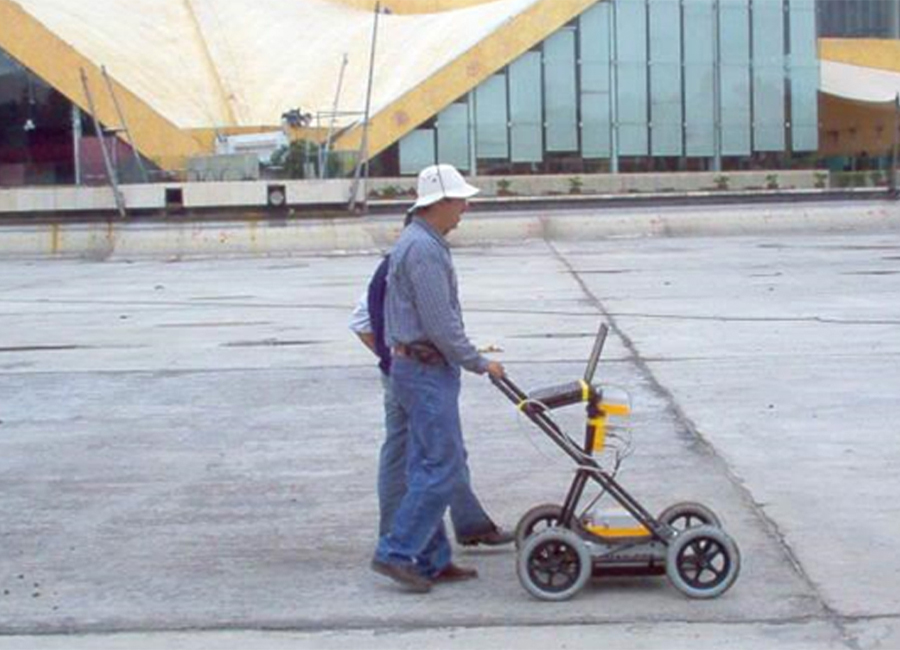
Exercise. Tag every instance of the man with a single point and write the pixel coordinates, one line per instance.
(425, 331)
(471, 523)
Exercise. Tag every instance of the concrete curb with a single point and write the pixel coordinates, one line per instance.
(102, 240)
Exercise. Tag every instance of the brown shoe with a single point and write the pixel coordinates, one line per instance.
(454, 573)
(495, 537)
(404, 575)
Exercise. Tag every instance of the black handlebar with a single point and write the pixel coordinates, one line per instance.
(517, 395)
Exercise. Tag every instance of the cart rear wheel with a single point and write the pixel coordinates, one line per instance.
(688, 514)
(554, 564)
(703, 562)
(539, 518)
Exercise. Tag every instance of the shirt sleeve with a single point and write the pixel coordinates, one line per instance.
(431, 284)
(360, 322)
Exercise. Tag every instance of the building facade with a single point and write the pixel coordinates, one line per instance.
(500, 87)
(641, 85)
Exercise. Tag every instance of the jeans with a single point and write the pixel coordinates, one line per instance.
(466, 512)
(435, 465)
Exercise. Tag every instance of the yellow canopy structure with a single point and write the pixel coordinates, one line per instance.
(185, 70)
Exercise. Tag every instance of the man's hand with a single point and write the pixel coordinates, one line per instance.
(495, 369)
(368, 339)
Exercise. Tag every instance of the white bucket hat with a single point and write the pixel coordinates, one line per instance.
(439, 182)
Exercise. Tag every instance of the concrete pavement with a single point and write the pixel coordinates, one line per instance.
(187, 448)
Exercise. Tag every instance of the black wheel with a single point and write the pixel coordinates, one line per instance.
(539, 518)
(703, 562)
(688, 514)
(554, 564)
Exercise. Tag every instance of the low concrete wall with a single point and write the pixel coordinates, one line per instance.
(256, 194)
(252, 194)
(153, 196)
(574, 184)
(265, 237)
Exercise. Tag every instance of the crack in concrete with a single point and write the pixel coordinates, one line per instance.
(824, 320)
(771, 527)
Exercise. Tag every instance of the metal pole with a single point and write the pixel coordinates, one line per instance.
(614, 91)
(110, 172)
(76, 142)
(892, 183)
(324, 151)
(473, 136)
(717, 87)
(134, 151)
(364, 145)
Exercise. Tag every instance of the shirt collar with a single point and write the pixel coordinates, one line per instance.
(431, 230)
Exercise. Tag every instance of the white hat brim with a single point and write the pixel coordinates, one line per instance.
(465, 192)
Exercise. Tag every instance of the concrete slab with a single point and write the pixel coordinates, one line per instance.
(797, 342)
(190, 445)
(672, 636)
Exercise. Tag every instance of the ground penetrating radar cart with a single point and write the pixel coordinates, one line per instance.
(560, 546)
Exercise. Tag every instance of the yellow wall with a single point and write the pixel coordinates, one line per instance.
(848, 128)
(867, 52)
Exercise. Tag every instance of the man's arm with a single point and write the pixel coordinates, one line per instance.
(361, 324)
(429, 276)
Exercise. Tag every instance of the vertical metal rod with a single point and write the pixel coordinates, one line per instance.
(76, 142)
(134, 151)
(892, 183)
(360, 177)
(110, 172)
(473, 136)
(717, 85)
(324, 151)
(614, 91)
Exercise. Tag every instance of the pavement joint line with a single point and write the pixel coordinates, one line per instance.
(406, 626)
(364, 366)
(396, 626)
(773, 530)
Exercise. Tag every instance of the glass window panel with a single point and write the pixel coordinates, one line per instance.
(734, 77)
(805, 108)
(595, 81)
(804, 74)
(526, 112)
(631, 77)
(491, 120)
(735, 85)
(768, 32)
(768, 76)
(665, 109)
(453, 136)
(699, 78)
(803, 31)
(665, 78)
(734, 32)
(417, 151)
(560, 91)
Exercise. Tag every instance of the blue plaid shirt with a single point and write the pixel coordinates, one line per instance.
(422, 301)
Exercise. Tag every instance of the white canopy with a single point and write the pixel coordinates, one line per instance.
(212, 63)
(859, 83)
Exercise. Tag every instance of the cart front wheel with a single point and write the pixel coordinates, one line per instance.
(554, 564)
(703, 562)
(539, 518)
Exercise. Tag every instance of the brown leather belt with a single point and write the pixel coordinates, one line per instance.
(421, 351)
